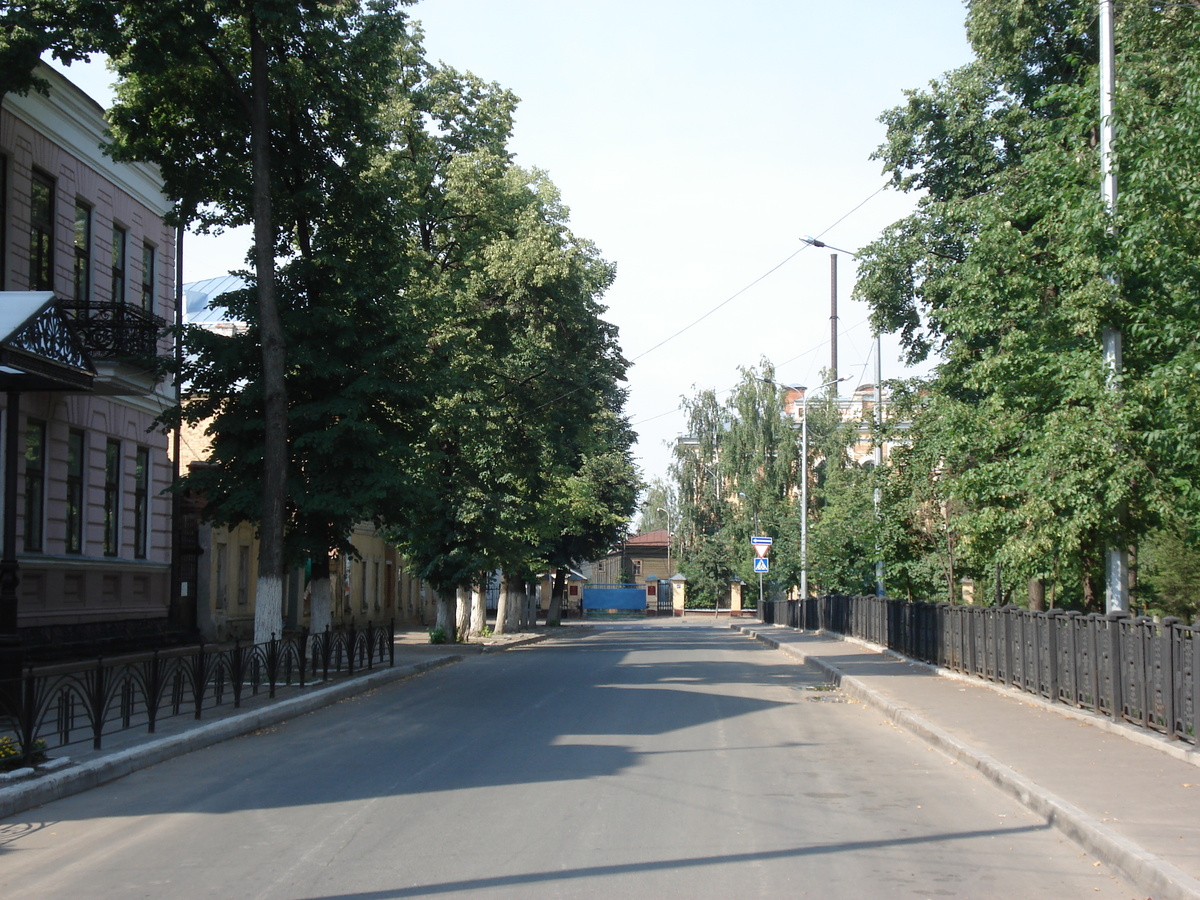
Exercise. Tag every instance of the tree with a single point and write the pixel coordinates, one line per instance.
(657, 511)
(196, 78)
(69, 29)
(1001, 271)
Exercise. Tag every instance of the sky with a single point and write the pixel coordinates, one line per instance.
(695, 144)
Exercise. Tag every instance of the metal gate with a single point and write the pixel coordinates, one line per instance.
(626, 598)
(666, 603)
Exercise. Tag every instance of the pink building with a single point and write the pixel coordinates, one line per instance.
(87, 274)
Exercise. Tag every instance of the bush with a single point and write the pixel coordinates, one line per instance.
(10, 753)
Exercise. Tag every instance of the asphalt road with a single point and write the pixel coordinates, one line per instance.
(632, 762)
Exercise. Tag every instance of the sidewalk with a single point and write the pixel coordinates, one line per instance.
(1130, 800)
(79, 767)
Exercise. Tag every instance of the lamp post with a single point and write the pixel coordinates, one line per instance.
(804, 487)
(667, 513)
(879, 590)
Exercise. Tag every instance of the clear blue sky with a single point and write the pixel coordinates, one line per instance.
(695, 143)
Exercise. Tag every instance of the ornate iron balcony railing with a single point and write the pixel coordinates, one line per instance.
(112, 331)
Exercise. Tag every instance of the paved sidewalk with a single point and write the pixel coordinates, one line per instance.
(79, 767)
(1129, 799)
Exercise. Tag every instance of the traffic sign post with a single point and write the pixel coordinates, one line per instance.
(762, 546)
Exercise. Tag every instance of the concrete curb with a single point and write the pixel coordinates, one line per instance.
(1150, 873)
(76, 779)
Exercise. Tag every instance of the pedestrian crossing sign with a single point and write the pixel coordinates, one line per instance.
(761, 565)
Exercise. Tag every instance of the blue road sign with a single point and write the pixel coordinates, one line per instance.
(761, 564)
(758, 539)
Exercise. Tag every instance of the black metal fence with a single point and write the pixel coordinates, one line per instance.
(1131, 668)
(56, 705)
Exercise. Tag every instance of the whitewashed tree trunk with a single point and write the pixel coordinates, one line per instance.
(503, 608)
(462, 614)
(320, 603)
(479, 606)
(268, 608)
(445, 614)
(529, 607)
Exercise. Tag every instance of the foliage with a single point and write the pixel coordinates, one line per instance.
(1021, 456)
(12, 757)
(437, 635)
(1169, 570)
(658, 510)
(69, 29)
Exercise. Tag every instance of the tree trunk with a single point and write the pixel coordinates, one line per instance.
(1037, 594)
(479, 606)
(462, 613)
(503, 610)
(554, 613)
(445, 614)
(320, 595)
(268, 597)
(511, 585)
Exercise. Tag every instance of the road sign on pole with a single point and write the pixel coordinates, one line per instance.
(761, 565)
(761, 545)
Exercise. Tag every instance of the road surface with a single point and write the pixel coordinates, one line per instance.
(678, 761)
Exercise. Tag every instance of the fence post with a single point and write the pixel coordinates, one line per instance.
(1170, 636)
(1116, 668)
(1053, 620)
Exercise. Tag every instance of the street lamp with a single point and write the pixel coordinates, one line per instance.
(804, 486)
(813, 242)
(667, 513)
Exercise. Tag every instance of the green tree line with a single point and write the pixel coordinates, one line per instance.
(426, 347)
(1020, 459)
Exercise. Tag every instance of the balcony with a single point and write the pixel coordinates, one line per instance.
(116, 332)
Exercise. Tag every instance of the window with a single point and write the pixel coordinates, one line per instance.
(76, 449)
(222, 576)
(35, 484)
(243, 575)
(365, 586)
(141, 502)
(148, 277)
(41, 233)
(112, 497)
(83, 252)
(119, 240)
(637, 567)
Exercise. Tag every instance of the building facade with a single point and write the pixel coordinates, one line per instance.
(94, 521)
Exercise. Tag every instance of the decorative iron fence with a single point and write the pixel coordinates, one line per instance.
(54, 706)
(1130, 668)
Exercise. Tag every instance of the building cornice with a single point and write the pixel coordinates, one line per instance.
(75, 122)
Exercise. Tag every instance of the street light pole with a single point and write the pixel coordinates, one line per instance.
(804, 487)
(667, 513)
(879, 588)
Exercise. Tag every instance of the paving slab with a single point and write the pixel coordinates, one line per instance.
(1130, 799)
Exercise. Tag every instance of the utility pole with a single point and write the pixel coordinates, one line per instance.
(879, 588)
(1117, 562)
(833, 329)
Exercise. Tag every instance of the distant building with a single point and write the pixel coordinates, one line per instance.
(635, 558)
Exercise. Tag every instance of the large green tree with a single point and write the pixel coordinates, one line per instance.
(248, 108)
(1000, 270)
